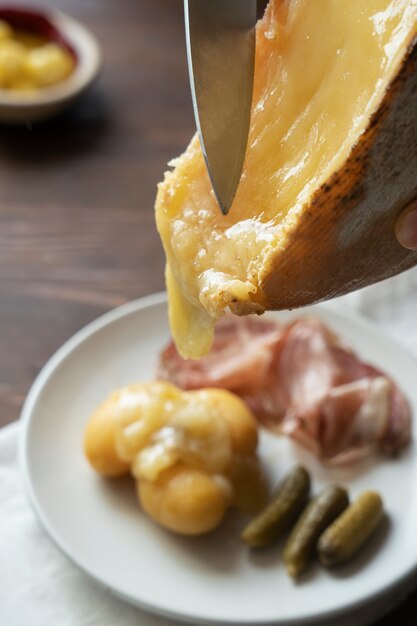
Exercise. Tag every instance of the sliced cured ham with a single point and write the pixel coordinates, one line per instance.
(300, 380)
(240, 358)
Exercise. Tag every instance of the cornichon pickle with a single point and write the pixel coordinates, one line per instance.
(316, 517)
(285, 506)
(350, 530)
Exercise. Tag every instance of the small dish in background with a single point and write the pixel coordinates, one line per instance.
(77, 44)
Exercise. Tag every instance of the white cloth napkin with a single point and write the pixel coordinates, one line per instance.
(39, 586)
(392, 305)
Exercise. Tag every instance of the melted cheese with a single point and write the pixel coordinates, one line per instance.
(158, 426)
(321, 70)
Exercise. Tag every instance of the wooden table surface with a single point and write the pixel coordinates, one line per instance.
(77, 234)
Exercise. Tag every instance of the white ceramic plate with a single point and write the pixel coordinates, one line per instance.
(213, 579)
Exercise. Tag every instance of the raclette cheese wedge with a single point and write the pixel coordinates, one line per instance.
(331, 161)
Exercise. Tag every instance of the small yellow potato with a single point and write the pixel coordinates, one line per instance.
(25, 86)
(124, 423)
(29, 61)
(49, 64)
(99, 442)
(141, 410)
(13, 66)
(184, 500)
(6, 31)
(242, 424)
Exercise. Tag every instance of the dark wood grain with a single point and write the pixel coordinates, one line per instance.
(77, 233)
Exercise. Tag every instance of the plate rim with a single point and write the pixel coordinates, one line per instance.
(28, 409)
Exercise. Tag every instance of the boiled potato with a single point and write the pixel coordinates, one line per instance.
(241, 422)
(193, 454)
(99, 442)
(29, 61)
(185, 500)
(49, 64)
(140, 411)
(6, 31)
(13, 68)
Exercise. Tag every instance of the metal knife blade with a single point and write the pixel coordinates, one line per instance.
(220, 36)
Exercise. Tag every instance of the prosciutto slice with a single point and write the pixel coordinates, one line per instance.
(301, 380)
(240, 358)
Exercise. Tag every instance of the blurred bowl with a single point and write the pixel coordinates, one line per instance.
(22, 107)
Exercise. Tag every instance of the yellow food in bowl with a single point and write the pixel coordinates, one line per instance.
(193, 453)
(29, 62)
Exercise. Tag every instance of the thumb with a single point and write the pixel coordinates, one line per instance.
(406, 227)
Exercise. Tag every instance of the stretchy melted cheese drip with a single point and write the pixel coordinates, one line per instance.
(321, 70)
